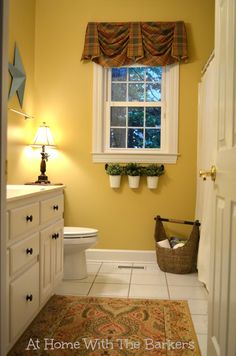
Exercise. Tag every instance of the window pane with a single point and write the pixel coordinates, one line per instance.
(117, 138)
(153, 138)
(153, 74)
(135, 138)
(136, 92)
(118, 116)
(136, 74)
(135, 126)
(153, 117)
(153, 92)
(119, 74)
(118, 92)
(135, 116)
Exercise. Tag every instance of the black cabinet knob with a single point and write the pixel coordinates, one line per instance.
(29, 297)
(29, 218)
(55, 207)
(29, 251)
(55, 236)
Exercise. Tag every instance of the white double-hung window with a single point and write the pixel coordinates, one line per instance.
(135, 114)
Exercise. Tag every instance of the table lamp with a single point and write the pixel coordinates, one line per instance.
(43, 138)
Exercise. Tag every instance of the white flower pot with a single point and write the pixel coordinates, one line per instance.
(152, 182)
(134, 181)
(115, 181)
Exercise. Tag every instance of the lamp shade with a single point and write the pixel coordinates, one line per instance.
(43, 136)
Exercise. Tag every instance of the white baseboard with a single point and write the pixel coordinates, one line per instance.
(147, 256)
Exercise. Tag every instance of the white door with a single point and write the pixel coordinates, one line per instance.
(205, 158)
(222, 304)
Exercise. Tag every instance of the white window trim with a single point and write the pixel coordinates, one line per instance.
(171, 147)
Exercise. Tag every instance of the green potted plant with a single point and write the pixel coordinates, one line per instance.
(133, 171)
(153, 172)
(115, 171)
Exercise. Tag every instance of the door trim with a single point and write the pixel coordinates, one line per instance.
(4, 5)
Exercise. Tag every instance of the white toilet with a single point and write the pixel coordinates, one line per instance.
(76, 241)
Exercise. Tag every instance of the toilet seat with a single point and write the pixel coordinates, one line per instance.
(71, 232)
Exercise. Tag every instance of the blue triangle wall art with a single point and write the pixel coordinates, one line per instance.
(18, 77)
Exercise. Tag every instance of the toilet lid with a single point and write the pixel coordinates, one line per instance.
(71, 231)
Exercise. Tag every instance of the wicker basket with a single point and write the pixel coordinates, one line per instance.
(183, 259)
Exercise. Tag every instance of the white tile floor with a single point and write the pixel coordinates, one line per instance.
(111, 280)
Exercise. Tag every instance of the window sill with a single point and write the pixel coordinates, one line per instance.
(135, 157)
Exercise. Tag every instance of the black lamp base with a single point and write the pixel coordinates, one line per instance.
(43, 179)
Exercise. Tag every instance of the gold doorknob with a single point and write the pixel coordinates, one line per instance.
(212, 173)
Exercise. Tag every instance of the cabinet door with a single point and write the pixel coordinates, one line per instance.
(46, 270)
(51, 258)
(58, 252)
(24, 300)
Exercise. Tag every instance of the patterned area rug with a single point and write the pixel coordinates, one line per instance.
(90, 326)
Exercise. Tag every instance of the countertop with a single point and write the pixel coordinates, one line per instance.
(18, 191)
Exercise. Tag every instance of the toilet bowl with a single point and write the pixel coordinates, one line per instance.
(76, 241)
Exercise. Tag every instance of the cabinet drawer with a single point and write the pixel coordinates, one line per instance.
(23, 219)
(23, 252)
(24, 300)
(52, 208)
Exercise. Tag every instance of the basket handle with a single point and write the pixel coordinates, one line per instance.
(186, 222)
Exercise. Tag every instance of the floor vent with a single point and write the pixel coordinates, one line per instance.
(133, 267)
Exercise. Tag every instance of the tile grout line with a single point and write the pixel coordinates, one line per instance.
(131, 273)
(94, 278)
(167, 286)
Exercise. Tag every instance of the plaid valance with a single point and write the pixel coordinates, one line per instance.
(123, 43)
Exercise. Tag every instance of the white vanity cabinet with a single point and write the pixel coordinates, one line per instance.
(35, 250)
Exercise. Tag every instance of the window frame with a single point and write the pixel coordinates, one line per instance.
(167, 154)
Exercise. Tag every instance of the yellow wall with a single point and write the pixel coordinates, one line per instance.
(63, 98)
(22, 33)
